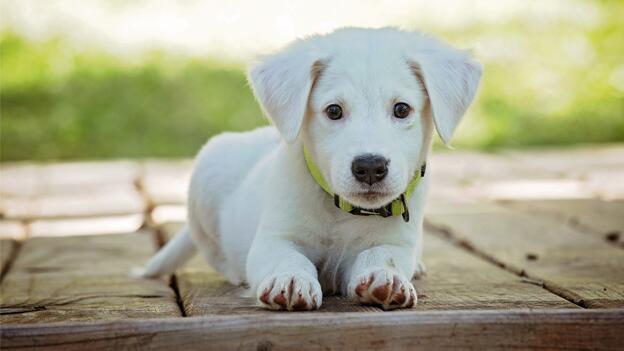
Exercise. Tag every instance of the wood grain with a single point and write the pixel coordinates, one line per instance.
(117, 201)
(12, 229)
(571, 161)
(166, 182)
(603, 219)
(86, 226)
(583, 268)
(83, 278)
(474, 330)
(31, 179)
(456, 280)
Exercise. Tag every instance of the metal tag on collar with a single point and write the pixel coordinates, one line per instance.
(382, 211)
(385, 211)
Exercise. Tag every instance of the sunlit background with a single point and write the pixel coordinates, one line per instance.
(112, 78)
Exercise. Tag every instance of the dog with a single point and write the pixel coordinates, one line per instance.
(328, 200)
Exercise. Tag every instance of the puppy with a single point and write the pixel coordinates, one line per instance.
(330, 199)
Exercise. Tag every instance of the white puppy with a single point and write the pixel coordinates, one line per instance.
(330, 199)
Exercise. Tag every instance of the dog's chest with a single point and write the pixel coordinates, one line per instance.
(334, 246)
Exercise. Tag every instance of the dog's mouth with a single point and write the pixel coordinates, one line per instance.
(370, 194)
(370, 198)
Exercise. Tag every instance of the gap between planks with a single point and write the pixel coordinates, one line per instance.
(16, 246)
(12, 253)
(465, 245)
(159, 237)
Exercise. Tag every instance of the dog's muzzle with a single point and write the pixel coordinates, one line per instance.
(396, 207)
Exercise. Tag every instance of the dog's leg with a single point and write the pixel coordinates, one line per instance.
(283, 278)
(380, 276)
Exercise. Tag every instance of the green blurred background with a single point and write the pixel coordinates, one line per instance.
(556, 80)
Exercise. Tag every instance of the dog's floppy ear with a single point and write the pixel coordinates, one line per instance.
(451, 78)
(282, 84)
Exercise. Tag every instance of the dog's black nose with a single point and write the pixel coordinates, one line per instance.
(369, 168)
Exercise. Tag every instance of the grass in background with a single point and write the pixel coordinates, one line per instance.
(57, 105)
(549, 84)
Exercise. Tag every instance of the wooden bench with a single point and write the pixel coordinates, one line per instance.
(523, 250)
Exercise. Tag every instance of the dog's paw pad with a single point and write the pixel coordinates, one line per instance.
(384, 288)
(292, 292)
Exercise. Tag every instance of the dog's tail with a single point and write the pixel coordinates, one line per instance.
(174, 254)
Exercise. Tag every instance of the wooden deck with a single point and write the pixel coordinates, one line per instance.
(523, 250)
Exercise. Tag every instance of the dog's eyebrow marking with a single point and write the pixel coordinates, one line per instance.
(417, 70)
(317, 68)
(315, 73)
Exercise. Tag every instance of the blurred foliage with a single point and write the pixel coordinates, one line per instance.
(546, 84)
(549, 82)
(57, 104)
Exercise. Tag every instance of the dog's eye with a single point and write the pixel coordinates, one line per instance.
(401, 110)
(333, 112)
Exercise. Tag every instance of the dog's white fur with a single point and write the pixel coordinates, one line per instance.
(258, 216)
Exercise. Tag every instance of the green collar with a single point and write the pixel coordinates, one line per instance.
(397, 207)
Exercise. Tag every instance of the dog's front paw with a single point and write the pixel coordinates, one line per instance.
(382, 287)
(290, 291)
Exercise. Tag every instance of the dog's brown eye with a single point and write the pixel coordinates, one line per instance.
(334, 112)
(401, 110)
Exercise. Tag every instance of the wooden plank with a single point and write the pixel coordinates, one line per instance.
(204, 291)
(532, 189)
(459, 176)
(456, 280)
(607, 184)
(474, 330)
(599, 168)
(27, 179)
(576, 265)
(12, 229)
(83, 278)
(571, 161)
(86, 226)
(603, 219)
(19, 179)
(459, 280)
(120, 201)
(572, 173)
(164, 214)
(60, 178)
(166, 182)
(470, 177)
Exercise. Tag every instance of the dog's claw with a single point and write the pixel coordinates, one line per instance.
(279, 292)
(385, 289)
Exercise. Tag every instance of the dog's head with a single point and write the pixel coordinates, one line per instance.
(365, 102)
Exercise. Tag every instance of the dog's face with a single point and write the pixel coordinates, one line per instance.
(366, 127)
(367, 101)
